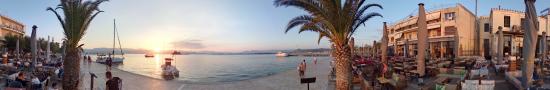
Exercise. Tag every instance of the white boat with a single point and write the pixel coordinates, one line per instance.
(281, 54)
(103, 59)
(113, 56)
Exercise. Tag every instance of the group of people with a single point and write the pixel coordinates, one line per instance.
(302, 67)
(23, 74)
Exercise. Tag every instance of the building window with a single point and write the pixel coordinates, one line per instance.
(450, 30)
(450, 16)
(486, 27)
(506, 21)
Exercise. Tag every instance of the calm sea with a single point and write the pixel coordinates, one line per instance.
(208, 69)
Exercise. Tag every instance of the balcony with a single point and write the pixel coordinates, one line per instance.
(13, 29)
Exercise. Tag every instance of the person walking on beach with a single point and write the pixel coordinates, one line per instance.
(302, 68)
(314, 60)
(89, 59)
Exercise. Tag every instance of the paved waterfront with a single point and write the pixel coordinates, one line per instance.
(287, 80)
(130, 81)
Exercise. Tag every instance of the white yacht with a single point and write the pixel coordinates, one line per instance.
(281, 54)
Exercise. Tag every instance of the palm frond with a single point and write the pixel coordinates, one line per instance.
(364, 8)
(298, 21)
(58, 17)
(363, 19)
(311, 6)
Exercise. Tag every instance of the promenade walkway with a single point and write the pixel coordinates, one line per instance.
(130, 81)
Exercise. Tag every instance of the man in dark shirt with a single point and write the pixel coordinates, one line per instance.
(112, 84)
(21, 78)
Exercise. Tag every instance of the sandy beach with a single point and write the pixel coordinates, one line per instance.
(287, 80)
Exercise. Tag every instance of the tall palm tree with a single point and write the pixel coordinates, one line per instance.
(77, 16)
(336, 21)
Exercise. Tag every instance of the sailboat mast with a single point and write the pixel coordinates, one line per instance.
(114, 36)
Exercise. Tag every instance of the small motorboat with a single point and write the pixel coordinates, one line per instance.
(149, 55)
(281, 54)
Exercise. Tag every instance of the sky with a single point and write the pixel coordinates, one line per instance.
(217, 25)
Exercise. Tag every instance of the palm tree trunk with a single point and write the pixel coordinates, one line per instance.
(342, 56)
(71, 69)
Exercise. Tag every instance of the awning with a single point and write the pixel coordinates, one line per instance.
(432, 16)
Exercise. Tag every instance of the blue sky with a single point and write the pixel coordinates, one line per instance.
(216, 25)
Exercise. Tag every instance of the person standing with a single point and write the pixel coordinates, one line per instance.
(109, 62)
(302, 68)
(89, 59)
(112, 83)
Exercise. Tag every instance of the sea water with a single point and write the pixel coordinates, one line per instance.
(208, 69)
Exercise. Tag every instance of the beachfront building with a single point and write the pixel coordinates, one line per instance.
(512, 23)
(10, 26)
(450, 31)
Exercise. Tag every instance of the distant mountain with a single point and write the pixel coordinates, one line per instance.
(143, 51)
(117, 51)
(286, 51)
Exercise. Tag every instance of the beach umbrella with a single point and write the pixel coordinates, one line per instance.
(48, 49)
(17, 52)
(422, 39)
(33, 47)
(543, 50)
(545, 36)
(529, 42)
(406, 48)
(500, 45)
(384, 46)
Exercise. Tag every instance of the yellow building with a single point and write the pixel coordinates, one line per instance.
(452, 31)
(448, 28)
(9, 26)
(512, 23)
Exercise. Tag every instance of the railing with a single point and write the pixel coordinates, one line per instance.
(11, 28)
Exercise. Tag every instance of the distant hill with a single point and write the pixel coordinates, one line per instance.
(143, 51)
(117, 51)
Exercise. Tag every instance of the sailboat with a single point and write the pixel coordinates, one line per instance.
(112, 55)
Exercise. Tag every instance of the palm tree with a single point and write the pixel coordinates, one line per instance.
(77, 16)
(10, 42)
(336, 21)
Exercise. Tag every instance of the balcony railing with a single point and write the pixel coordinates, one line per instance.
(12, 29)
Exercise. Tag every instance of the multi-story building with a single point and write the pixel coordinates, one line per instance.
(9, 26)
(512, 23)
(452, 31)
(448, 28)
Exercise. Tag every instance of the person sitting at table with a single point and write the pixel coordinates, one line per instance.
(21, 78)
